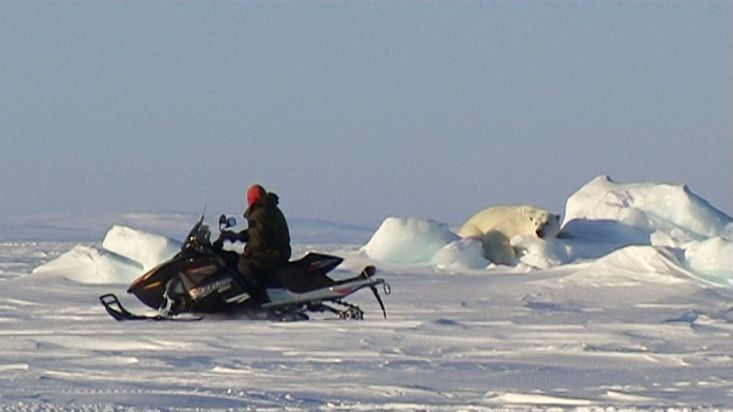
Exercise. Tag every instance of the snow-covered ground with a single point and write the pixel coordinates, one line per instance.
(630, 308)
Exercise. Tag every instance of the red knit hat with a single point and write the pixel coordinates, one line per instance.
(255, 193)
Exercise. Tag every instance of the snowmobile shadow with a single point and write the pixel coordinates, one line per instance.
(258, 315)
(539, 304)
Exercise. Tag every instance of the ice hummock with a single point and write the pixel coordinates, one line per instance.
(408, 240)
(654, 213)
(146, 248)
(602, 217)
(125, 254)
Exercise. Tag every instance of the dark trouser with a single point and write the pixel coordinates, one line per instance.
(249, 273)
(247, 269)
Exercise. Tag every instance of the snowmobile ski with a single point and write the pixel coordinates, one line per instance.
(118, 312)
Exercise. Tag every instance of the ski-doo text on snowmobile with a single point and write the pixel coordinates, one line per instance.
(201, 279)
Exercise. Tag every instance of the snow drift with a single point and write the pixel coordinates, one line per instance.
(633, 313)
(91, 264)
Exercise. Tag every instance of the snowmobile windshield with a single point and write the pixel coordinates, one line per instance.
(198, 236)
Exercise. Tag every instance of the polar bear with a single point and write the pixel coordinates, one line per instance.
(496, 226)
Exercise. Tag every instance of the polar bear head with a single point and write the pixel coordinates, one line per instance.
(545, 224)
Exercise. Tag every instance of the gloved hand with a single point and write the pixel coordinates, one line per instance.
(224, 235)
(228, 235)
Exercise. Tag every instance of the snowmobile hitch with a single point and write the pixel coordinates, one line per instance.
(367, 273)
(387, 290)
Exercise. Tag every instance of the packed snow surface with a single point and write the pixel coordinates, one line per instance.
(629, 308)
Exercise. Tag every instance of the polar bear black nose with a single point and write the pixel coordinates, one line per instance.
(540, 233)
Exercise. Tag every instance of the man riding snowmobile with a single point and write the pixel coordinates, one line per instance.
(267, 240)
(202, 278)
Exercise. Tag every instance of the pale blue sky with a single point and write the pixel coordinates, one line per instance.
(356, 111)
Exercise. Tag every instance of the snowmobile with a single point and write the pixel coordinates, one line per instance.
(202, 279)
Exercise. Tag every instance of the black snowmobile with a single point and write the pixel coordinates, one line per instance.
(202, 280)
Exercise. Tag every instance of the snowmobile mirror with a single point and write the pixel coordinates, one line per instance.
(225, 222)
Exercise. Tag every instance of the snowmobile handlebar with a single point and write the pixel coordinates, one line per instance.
(224, 234)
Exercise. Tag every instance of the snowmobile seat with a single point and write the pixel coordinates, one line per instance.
(305, 274)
